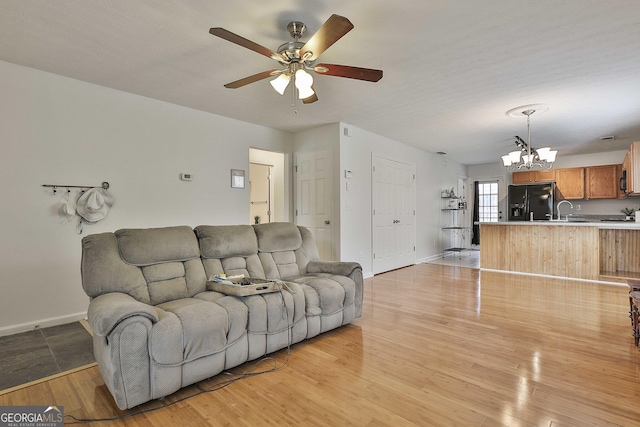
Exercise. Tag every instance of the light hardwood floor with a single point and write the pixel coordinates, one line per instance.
(437, 346)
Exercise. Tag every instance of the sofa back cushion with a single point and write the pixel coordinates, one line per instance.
(284, 249)
(153, 265)
(169, 259)
(229, 249)
(146, 246)
(103, 270)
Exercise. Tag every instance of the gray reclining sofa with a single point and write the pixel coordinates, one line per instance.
(159, 327)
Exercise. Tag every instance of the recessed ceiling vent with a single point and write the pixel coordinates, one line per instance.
(607, 138)
(442, 153)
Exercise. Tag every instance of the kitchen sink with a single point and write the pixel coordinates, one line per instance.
(578, 220)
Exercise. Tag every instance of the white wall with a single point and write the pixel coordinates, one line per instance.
(56, 130)
(433, 173)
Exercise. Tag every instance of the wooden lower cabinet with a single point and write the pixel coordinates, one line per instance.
(552, 250)
(576, 251)
(619, 254)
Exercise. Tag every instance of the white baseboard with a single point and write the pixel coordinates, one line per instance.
(430, 258)
(42, 323)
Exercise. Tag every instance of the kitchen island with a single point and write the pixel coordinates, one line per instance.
(599, 251)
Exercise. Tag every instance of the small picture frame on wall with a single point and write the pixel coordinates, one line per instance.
(237, 178)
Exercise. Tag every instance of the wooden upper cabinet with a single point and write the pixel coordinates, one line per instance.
(631, 166)
(521, 177)
(570, 183)
(621, 193)
(546, 175)
(602, 182)
(628, 172)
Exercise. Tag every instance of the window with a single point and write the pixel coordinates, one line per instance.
(488, 201)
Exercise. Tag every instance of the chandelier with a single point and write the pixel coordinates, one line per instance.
(526, 156)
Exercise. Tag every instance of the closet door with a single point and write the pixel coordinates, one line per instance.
(393, 214)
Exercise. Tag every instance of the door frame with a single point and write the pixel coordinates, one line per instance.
(270, 198)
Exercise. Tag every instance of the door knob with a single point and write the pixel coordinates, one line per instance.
(327, 222)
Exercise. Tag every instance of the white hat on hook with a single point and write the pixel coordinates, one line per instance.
(94, 204)
(68, 208)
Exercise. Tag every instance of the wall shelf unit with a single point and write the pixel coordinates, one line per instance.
(456, 234)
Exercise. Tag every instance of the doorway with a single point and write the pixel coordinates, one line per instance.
(278, 207)
(260, 193)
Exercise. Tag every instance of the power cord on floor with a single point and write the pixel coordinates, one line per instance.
(217, 386)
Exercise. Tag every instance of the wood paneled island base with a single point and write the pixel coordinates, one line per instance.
(588, 251)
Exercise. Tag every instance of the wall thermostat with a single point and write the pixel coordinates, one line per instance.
(186, 177)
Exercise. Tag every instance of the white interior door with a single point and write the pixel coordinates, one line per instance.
(393, 214)
(260, 193)
(314, 201)
(405, 214)
(384, 241)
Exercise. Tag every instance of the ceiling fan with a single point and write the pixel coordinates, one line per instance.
(297, 58)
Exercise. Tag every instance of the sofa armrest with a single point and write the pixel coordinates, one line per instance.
(333, 267)
(353, 270)
(107, 310)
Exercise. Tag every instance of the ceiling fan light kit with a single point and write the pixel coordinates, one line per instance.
(280, 83)
(526, 156)
(299, 58)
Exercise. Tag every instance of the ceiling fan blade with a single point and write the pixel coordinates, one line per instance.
(239, 40)
(330, 32)
(252, 79)
(367, 74)
(311, 99)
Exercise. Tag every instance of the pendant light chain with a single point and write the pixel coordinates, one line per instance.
(529, 113)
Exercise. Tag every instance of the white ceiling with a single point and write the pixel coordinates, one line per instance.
(452, 68)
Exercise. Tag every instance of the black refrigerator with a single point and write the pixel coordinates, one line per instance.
(531, 199)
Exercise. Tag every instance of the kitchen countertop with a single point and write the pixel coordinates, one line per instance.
(574, 223)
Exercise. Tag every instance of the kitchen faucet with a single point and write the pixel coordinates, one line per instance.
(558, 208)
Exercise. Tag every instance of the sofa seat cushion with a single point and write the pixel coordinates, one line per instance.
(191, 328)
(326, 293)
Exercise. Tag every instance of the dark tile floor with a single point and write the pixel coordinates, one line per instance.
(33, 355)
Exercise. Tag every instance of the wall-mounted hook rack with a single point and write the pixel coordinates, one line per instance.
(104, 185)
